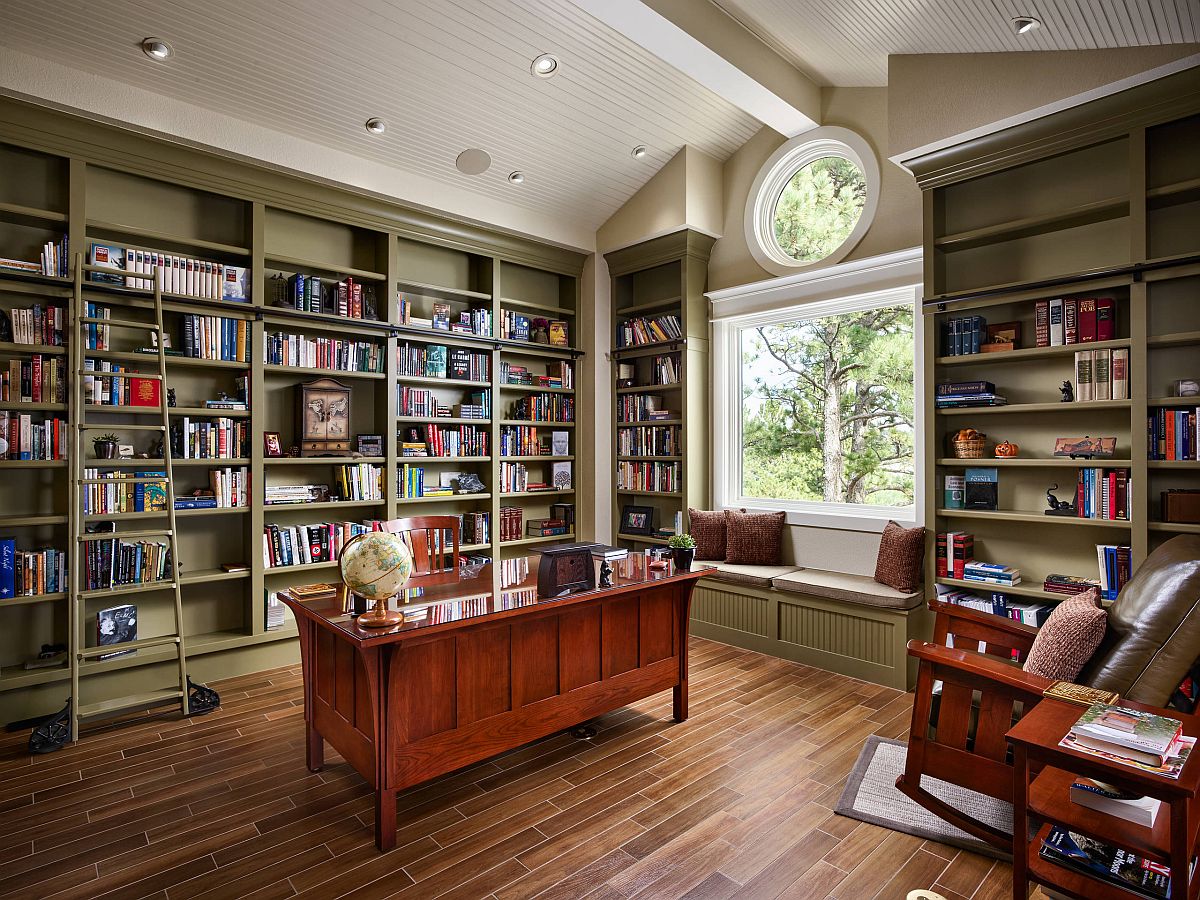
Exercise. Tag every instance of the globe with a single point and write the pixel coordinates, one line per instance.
(376, 565)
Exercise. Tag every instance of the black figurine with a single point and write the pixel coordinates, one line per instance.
(170, 396)
(1068, 392)
(606, 574)
(1057, 507)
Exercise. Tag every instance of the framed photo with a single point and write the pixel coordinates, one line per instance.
(271, 444)
(558, 333)
(370, 444)
(1087, 447)
(637, 520)
(1002, 337)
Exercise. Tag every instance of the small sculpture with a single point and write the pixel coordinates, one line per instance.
(1057, 507)
(1068, 392)
(171, 397)
(606, 574)
(1007, 450)
(469, 484)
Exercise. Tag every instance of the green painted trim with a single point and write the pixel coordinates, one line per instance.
(660, 250)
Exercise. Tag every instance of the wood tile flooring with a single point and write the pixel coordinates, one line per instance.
(735, 802)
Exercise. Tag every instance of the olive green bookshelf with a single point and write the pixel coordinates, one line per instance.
(666, 276)
(63, 175)
(1099, 201)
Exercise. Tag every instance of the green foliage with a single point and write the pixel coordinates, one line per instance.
(828, 409)
(819, 208)
(681, 541)
(105, 438)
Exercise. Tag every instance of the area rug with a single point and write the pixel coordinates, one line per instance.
(871, 796)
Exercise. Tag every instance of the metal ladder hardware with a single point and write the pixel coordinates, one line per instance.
(55, 732)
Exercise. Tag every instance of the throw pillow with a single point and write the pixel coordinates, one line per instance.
(1068, 638)
(901, 558)
(754, 539)
(708, 528)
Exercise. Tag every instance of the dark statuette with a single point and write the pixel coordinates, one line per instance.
(606, 574)
(171, 397)
(1068, 392)
(1057, 507)
(6, 333)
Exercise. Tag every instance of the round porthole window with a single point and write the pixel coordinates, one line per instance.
(812, 201)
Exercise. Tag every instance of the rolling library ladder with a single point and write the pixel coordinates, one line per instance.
(193, 699)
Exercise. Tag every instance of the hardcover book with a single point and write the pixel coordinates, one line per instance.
(116, 625)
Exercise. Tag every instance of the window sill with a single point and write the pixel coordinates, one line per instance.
(839, 521)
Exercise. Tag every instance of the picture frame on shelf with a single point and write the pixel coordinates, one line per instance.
(1086, 447)
(1002, 337)
(370, 444)
(272, 446)
(637, 519)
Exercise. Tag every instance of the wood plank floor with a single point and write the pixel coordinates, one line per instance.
(735, 802)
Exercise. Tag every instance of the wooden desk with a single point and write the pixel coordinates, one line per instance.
(1044, 774)
(481, 665)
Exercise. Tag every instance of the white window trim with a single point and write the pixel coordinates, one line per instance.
(727, 418)
(778, 170)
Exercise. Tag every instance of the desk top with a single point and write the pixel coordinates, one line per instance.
(476, 594)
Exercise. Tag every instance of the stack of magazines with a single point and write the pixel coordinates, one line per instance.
(1131, 737)
(968, 393)
(1144, 877)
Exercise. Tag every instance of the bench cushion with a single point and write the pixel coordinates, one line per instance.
(751, 576)
(851, 588)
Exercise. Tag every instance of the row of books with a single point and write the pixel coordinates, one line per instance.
(334, 354)
(360, 482)
(410, 484)
(97, 335)
(515, 326)
(1173, 434)
(39, 379)
(218, 438)
(514, 477)
(229, 488)
(27, 440)
(649, 476)
(183, 275)
(30, 573)
(476, 322)
(1000, 604)
(641, 408)
(53, 261)
(342, 297)
(954, 549)
(476, 528)
(661, 440)
(438, 361)
(1074, 320)
(121, 387)
(114, 562)
(512, 523)
(419, 402)
(1068, 584)
(991, 573)
(1116, 568)
(558, 375)
(127, 492)
(1103, 494)
(544, 408)
(1101, 375)
(445, 441)
(955, 394)
(529, 440)
(649, 330)
(216, 337)
(299, 545)
(294, 494)
(964, 336)
(38, 324)
(546, 527)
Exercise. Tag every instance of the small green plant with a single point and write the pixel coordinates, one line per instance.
(105, 439)
(681, 542)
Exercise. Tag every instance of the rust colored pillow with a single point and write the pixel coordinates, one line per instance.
(708, 528)
(754, 539)
(1068, 638)
(901, 557)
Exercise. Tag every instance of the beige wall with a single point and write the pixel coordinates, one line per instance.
(931, 97)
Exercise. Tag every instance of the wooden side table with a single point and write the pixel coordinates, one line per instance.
(1046, 797)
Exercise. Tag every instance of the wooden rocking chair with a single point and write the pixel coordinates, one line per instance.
(1153, 639)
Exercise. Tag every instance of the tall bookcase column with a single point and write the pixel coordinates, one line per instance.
(660, 315)
(258, 405)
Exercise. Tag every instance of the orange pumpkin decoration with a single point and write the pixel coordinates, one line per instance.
(1007, 450)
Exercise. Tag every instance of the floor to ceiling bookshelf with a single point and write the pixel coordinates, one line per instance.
(61, 176)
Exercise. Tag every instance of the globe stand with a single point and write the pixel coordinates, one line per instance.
(381, 616)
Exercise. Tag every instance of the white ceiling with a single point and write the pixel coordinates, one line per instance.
(847, 42)
(445, 74)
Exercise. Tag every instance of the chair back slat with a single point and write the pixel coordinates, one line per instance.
(432, 540)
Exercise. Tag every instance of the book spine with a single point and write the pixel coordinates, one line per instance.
(1056, 323)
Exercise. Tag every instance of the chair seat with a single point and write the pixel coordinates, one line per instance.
(750, 576)
(850, 588)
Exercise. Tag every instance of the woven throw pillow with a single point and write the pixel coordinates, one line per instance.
(901, 557)
(708, 528)
(754, 539)
(1068, 638)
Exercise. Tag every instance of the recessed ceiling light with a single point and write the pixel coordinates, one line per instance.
(376, 125)
(638, 152)
(544, 66)
(516, 177)
(157, 49)
(1025, 24)
(473, 161)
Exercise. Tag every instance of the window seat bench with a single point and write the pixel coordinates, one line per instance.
(843, 622)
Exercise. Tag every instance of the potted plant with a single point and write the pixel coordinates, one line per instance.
(105, 446)
(683, 550)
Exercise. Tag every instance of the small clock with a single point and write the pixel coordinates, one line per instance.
(565, 569)
(323, 418)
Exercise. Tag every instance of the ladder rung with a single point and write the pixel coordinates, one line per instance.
(144, 643)
(133, 701)
(140, 587)
(124, 535)
(120, 323)
(84, 372)
(105, 426)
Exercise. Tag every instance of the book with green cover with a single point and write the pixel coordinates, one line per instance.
(1130, 728)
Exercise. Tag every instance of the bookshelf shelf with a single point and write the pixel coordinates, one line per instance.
(1174, 339)
(1024, 408)
(125, 516)
(281, 317)
(550, 493)
(154, 237)
(18, 406)
(534, 389)
(442, 420)
(650, 389)
(1020, 590)
(1028, 226)
(129, 588)
(31, 278)
(33, 521)
(214, 511)
(529, 348)
(202, 575)
(33, 463)
(1026, 353)
(441, 382)
(295, 263)
(205, 412)
(650, 349)
(649, 493)
(275, 571)
(22, 215)
(642, 539)
(214, 462)
(452, 498)
(548, 539)
(643, 422)
(174, 362)
(638, 309)
(1012, 515)
(271, 369)
(324, 504)
(538, 458)
(445, 460)
(649, 458)
(550, 425)
(1177, 192)
(1167, 402)
(36, 598)
(1172, 464)
(1065, 463)
(1175, 527)
(549, 308)
(8, 347)
(322, 460)
(449, 338)
(442, 292)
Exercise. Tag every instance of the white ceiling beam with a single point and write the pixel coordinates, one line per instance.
(710, 48)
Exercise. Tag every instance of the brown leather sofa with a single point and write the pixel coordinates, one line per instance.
(1152, 641)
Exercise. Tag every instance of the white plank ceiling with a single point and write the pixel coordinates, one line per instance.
(445, 74)
(847, 42)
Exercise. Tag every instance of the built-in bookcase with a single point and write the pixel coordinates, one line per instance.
(1110, 208)
(54, 181)
(660, 465)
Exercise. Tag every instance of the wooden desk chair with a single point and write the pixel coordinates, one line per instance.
(1152, 641)
(432, 551)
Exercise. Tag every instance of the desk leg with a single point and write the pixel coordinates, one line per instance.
(314, 748)
(314, 744)
(679, 701)
(1020, 847)
(679, 694)
(385, 818)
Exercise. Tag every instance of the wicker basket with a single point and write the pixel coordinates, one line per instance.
(972, 448)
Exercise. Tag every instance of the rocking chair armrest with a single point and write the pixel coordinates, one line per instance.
(990, 621)
(981, 666)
